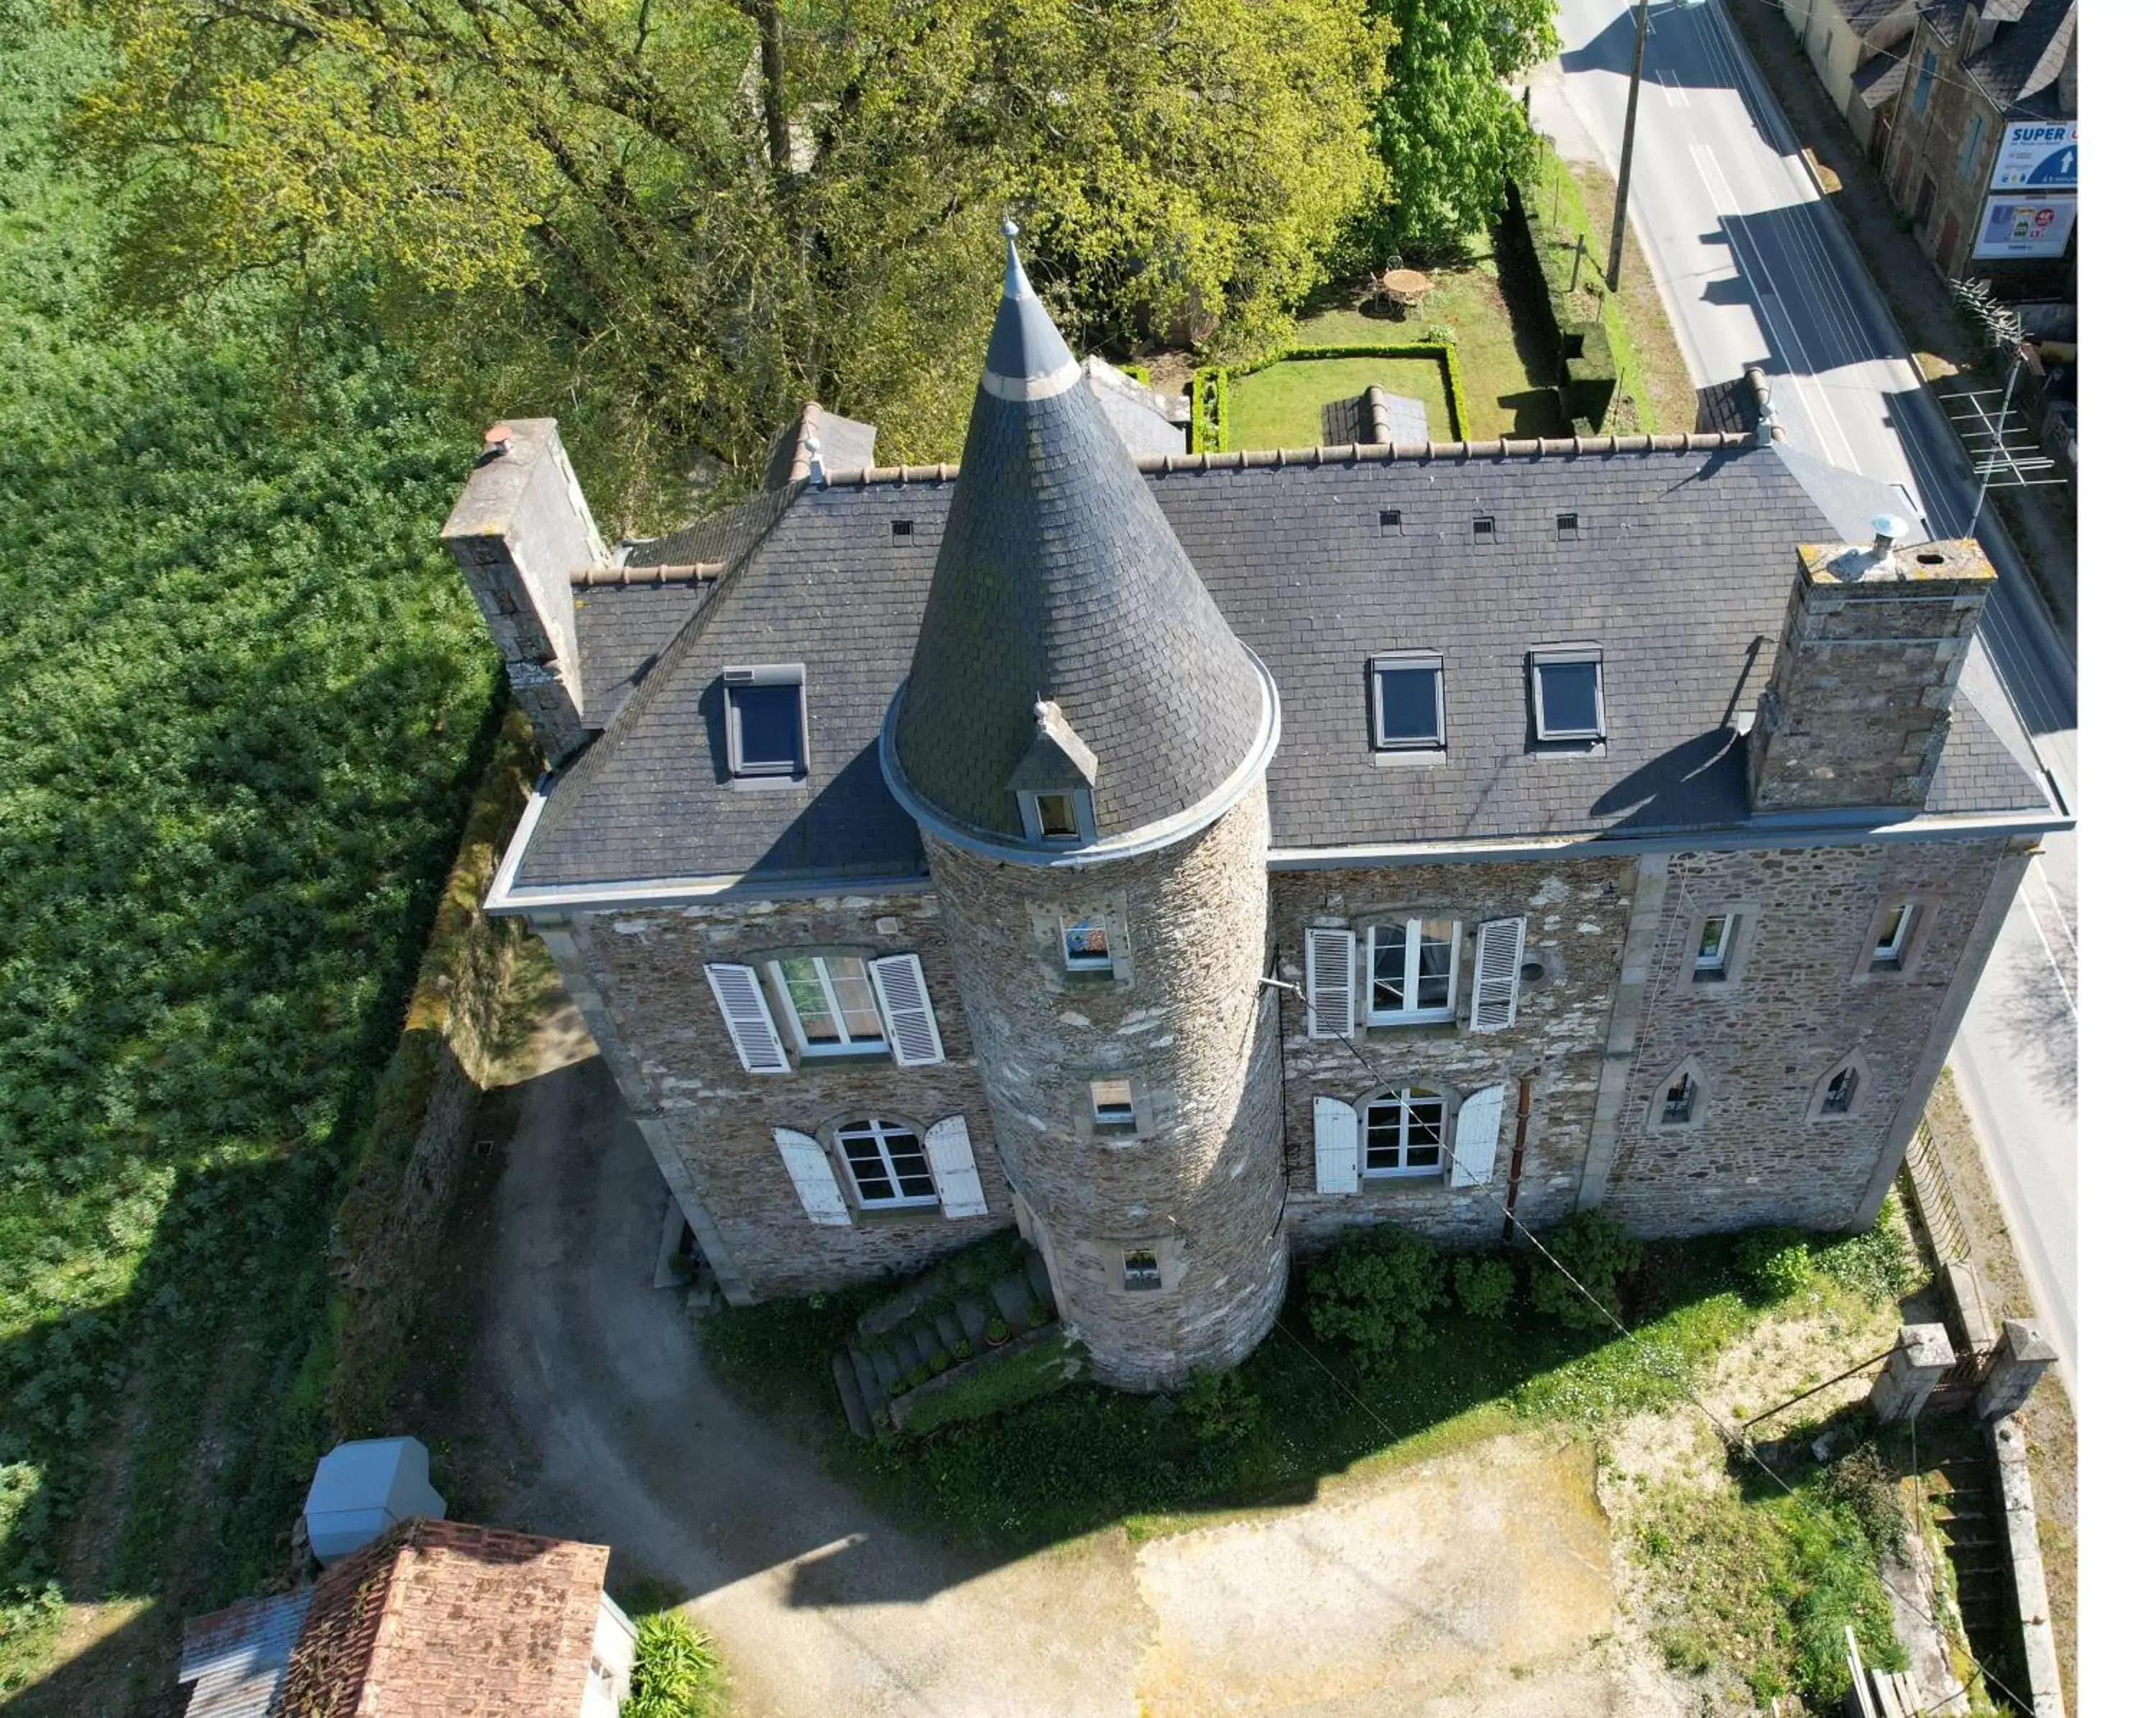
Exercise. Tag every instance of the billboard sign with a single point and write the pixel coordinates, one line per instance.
(2025, 226)
(2038, 155)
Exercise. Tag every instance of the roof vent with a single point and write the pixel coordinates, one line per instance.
(1567, 526)
(1485, 527)
(1389, 518)
(901, 527)
(1886, 531)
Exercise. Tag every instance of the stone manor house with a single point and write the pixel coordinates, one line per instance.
(1185, 857)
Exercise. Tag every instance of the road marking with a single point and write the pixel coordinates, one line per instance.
(1672, 90)
(2065, 924)
(2072, 1008)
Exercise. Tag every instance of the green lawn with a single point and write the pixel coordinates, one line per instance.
(1282, 405)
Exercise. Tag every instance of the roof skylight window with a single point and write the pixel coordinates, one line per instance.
(1568, 692)
(1407, 702)
(767, 715)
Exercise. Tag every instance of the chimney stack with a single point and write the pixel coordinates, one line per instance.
(518, 532)
(1855, 715)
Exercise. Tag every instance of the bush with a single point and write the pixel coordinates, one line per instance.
(1220, 1407)
(1597, 1252)
(1208, 409)
(1862, 1480)
(1877, 1264)
(1374, 1293)
(1773, 1264)
(674, 1670)
(1483, 1286)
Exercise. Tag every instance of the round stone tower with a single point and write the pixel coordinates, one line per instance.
(1083, 741)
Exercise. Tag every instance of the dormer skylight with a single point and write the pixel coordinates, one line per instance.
(1568, 692)
(767, 720)
(1054, 781)
(1055, 818)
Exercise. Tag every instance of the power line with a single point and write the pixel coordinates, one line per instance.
(1737, 1439)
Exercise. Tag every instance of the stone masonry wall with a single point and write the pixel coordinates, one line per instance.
(1183, 1017)
(1577, 911)
(1765, 1043)
(648, 967)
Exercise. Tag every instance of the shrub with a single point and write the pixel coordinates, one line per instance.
(1877, 1264)
(1483, 1286)
(1597, 1252)
(674, 1672)
(1773, 1264)
(1220, 1407)
(1863, 1481)
(1209, 410)
(1374, 1293)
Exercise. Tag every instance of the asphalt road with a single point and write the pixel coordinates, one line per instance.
(1755, 268)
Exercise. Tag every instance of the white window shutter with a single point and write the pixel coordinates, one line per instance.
(813, 1179)
(903, 990)
(1499, 946)
(951, 1161)
(1339, 1149)
(1475, 1138)
(1328, 971)
(749, 1018)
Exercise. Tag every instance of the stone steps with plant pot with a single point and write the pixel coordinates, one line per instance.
(1013, 1295)
(973, 1318)
(850, 1395)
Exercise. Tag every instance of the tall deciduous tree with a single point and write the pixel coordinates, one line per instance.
(1449, 132)
(700, 213)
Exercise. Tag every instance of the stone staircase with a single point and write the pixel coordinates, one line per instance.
(1966, 1515)
(955, 1316)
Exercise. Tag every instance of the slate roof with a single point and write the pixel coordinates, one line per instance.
(436, 1617)
(1879, 80)
(1682, 571)
(2019, 70)
(1057, 579)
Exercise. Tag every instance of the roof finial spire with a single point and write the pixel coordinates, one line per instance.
(1015, 284)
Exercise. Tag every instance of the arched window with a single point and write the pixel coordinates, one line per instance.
(1680, 1097)
(1841, 1090)
(1403, 1133)
(888, 1163)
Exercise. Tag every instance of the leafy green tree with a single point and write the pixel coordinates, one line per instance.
(1448, 130)
(689, 215)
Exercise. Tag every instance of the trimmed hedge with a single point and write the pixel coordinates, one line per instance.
(1208, 409)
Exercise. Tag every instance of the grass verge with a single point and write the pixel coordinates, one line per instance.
(1283, 404)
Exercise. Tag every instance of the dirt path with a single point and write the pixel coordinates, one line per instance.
(1476, 1583)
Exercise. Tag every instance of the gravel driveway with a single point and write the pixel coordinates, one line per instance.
(1479, 1583)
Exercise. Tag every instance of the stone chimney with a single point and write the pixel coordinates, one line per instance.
(518, 532)
(1855, 714)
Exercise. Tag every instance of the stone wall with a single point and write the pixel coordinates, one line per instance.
(1577, 911)
(1183, 1016)
(642, 972)
(1763, 1043)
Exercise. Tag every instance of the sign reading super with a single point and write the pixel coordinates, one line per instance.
(2038, 155)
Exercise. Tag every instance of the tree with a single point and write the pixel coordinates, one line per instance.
(1449, 132)
(691, 215)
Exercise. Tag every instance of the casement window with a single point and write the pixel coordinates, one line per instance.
(888, 1163)
(830, 1005)
(767, 720)
(1719, 944)
(1890, 938)
(1680, 1097)
(1403, 1133)
(1568, 693)
(1894, 940)
(1413, 970)
(1115, 1105)
(1842, 1090)
(1710, 958)
(1500, 949)
(1063, 818)
(1085, 945)
(834, 1004)
(1407, 702)
(1141, 1269)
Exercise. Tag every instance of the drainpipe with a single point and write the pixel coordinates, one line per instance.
(1519, 1156)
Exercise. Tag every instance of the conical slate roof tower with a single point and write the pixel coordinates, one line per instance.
(1060, 582)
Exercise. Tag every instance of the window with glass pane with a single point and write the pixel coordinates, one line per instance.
(1711, 959)
(1086, 944)
(767, 729)
(1568, 695)
(1141, 1270)
(1840, 1093)
(1114, 1105)
(831, 1003)
(1411, 971)
(1409, 693)
(1678, 1101)
(1893, 936)
(887, 1164)
(1059, 817)
(1404, 1133)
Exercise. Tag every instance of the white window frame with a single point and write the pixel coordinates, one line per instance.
(1411, 973)
(1405, 662)
(1716, 964)
(1567, 655)
(848, 1044)
(1398, 1099)
(1890, 952)
(1081, 815)
(766, 674)
(1105, 961)
(879, 1133)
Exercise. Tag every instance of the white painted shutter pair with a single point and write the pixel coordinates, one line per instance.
(1474, 1142)
(1329, 977)
(950, 1161)
(901, 992)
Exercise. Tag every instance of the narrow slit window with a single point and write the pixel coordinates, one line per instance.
(1891, 945)
(1841, 1092)
(766, 713)
(887, 1163)
(1142, 1269)
(1568, 694)
(1407, 702)
(1085, 945)
(1710, 960)
(1115, 1104)
(1679, 1099)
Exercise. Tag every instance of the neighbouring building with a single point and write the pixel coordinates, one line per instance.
(432, 1617)
(1980, 144)
(1858, 48)
(1183, 857)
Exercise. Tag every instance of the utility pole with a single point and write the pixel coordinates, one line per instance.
(1625, 164)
